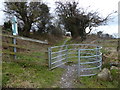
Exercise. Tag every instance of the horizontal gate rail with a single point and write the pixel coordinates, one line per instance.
(91, 62)
(83, 44)
(58, 56)
(58, 61)
(57, 46)
(58, 51)
(87, 49)
(72, 56)
(90, 56)
(89, 74)
(91, 68)
(57, 65)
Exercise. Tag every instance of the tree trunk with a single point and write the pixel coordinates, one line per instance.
(26, 29)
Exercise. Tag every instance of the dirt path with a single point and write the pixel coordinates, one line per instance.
(69, 76)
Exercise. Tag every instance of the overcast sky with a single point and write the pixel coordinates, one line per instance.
(104, 7)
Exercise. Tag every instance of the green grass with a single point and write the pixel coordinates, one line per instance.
(30, 69)
(93, 82)
(35, 56)
(59, 43)
(14, 74)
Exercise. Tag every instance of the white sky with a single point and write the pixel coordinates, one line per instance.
(104, 7)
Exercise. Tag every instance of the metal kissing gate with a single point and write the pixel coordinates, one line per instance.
(86, 57)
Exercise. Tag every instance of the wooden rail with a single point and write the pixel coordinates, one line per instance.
(24, 38)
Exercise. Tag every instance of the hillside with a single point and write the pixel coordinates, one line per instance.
(30, 68)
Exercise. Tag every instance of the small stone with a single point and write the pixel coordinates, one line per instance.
(104, 75)
(113, 67)
(115, 64)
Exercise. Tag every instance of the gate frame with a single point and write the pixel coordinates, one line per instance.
(97, 48)
(97, 61)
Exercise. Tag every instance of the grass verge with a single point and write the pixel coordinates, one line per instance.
(30, 69)
(19, 75)
(93, 82)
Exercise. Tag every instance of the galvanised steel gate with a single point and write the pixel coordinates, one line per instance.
(57, 56)
(87, 57)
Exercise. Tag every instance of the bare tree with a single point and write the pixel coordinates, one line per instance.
(76, 19)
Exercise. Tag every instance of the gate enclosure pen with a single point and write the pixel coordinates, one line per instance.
(87, 57)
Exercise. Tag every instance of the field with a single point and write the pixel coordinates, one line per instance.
(30, 68)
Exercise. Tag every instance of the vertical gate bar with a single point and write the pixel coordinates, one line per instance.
(100, 62)
(78, 62)
(97, 64)
(99, 56)
(49, 55)
(97, 48)
(97, 53)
